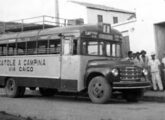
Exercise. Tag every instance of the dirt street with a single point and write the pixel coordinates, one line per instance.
(69, 108)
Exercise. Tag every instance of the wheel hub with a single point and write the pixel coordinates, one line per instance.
(11, 85)
(98, 90)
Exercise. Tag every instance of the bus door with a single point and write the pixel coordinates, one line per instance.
(69, 65)
(54, 60)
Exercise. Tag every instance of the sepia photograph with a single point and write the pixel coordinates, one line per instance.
(82, 60)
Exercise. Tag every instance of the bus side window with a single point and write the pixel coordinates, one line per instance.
(3, 49)
(42, 46)
(21, 48)
(12, 49)
(31, 47)
(54, 46)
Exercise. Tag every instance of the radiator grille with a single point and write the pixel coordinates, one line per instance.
(130, 73)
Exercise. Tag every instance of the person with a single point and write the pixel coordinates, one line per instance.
(137, 59)
(154, 65)
(134, 55)
(130, 56)
(144, 59)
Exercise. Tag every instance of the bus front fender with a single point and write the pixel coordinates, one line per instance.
(93, 72)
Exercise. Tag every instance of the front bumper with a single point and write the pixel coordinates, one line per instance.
(131, 85)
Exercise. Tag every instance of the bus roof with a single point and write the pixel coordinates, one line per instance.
(56, 30)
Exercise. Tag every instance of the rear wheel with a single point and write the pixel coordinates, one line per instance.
(11, 88)
(99, 90)
(47, 91)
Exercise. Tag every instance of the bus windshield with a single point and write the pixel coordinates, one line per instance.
(99, 47)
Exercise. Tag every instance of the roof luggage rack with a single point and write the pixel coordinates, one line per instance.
(40, 22)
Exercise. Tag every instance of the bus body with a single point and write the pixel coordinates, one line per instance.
(71, 59)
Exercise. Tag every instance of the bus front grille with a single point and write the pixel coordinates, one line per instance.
(130, 73)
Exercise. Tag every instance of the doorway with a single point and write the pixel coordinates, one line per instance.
(160, 38)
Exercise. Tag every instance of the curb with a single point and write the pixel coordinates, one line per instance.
(153, 99)
(154, 96)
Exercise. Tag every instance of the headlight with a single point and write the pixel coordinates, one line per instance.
(145, 72)
(115, 72)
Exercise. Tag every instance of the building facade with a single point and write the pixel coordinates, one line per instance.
(147, 31)
(99, 13)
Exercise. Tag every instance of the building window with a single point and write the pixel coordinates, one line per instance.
(115, 20)
(100, 18)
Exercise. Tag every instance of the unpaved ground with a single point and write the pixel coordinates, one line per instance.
(69, 108)
(5, 116)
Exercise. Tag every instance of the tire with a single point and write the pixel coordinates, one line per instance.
(133, 95)
(99, 90)
(11, 88)
(47, 91)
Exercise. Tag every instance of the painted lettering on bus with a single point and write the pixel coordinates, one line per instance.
(33, 62)
(22, 65)
(26, 65)
(26, 69)
(7, 62)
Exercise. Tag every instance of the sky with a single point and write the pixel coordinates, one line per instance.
(18, 9)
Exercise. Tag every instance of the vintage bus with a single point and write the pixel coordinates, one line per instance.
(84, 58)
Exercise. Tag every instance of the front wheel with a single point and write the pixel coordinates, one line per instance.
(99, 90)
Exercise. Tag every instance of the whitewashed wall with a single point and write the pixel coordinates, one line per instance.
(107, 16)
(143, 36)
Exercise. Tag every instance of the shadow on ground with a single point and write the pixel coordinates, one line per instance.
(7, 116)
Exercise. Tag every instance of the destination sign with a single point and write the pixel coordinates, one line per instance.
(90, 34)
(105, 36)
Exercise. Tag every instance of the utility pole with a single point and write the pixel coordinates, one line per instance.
(57, 12)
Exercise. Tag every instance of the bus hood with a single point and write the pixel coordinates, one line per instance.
(109, 62)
